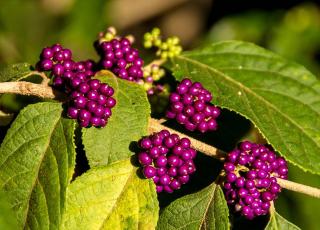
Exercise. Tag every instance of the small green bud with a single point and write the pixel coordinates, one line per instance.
(164, 55)
(157, 42)
(147, 36)
(147, 44)
(164, 46)
(156, 31)
(147, 86)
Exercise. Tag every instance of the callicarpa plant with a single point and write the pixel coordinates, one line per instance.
(113, 140)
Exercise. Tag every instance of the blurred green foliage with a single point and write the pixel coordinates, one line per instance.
(28, 26)
(294, 34)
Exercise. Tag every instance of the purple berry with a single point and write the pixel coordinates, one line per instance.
(172, 172)
(95, 121)
(73, 112)
(229, 166)
(164, 180)
(173, 161)
(84, 115)
(111, 102)
(93, 95)
(159, 188)
(144, 159)
(161, 161)
(80, 102)
(183, 179)
(84, 87)
(149, 171)
(46, 64)
(154, 152)
(47, 53)
(145, 143)
(231, 177)
(56, 48)
(94, 84)
(175, 184)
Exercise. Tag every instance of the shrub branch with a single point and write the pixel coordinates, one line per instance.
(43, 90)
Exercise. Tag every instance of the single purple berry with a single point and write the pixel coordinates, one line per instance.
(145, 143)
(80, 102)
(92, 95)
(175, 184)
(47, 53)
(84, 115)
(94, 84)
(144, 159)
(165, 180)
(111, 102)
(161, 161)
(173, 161)
(46, 64)
(73, 112)
(149, 171)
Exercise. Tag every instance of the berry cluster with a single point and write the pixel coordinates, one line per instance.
(190, 106)
(63, 69)
(165, 49)
(250, 178)
(167, 159)
(118, 56)
(91, 103)
(90, 100)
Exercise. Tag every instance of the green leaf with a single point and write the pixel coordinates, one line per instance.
(7, 218)
(206, 209)
(15, 72)
(36, 164)
(111, 197)
(128, 123)
(277, 222)
(281, 98)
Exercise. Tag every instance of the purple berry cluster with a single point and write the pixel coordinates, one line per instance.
(64, 70)
(118, 56)
(190, 106)
(90, 101)
(250, 178)
(167, 159)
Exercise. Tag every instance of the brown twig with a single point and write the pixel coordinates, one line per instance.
(156, 126)
(301, 188)
(155, 62)
(30, 89)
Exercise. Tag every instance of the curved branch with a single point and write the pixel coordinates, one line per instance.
(301, 188)
(31, 89)
(45, 91)
(156, 126)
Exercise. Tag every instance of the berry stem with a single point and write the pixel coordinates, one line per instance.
(156, 126)
(157, 62)
(30, 89)
(301, 188)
